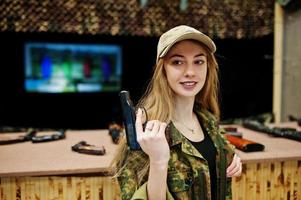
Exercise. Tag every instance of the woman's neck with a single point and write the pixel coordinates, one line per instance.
(184, 110)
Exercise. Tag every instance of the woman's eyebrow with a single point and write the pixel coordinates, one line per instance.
(201, 54)
(176, 55)
(181, 56)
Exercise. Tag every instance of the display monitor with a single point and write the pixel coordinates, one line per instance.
(72, 68)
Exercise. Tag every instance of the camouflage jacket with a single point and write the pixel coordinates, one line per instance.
(188, 173)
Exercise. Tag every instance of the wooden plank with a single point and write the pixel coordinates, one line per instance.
(117, 192)
(93, 187)
(251, 181)
(27, 188)
(279, 187)
(5, 195)
(69, 192)
(82, 188)
(107, 189)
(298, 180)
(259, 180)
(100, 188)
(43, 187)
(287, 178)
(51, 187)
(60, 187)
(30, 185)
(239, 185)
(23, 188)
(294, 182)
(56, 181)
(65, 188)
(264, 181)
(235, 188)
(274, 181)
(18, 189)
(244, 184)
(36, 188)
(13, 190)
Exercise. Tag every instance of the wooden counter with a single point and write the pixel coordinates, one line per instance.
(274, 173)
(51, 170)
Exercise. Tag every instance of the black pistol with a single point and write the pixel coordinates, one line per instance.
(129, 119)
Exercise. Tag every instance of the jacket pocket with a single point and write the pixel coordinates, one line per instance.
(180, 181)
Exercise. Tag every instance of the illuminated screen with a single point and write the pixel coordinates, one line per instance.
(62, 68)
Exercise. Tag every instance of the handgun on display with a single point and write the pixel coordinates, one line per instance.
(129, 119)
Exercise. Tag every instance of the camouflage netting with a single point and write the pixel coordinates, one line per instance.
(222, 19)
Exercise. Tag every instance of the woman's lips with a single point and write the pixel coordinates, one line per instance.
(188, 84)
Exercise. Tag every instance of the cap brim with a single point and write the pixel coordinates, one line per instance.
(191, 36)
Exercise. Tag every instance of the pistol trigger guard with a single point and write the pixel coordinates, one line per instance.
(145, 114)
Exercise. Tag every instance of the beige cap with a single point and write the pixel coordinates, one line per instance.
(179, 33)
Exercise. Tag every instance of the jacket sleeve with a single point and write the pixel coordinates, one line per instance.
(230, 149)
(130, 186)
(128, 179)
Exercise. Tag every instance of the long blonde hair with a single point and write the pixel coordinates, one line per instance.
(158, 100)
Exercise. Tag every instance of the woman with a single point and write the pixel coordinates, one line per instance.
(182, 94)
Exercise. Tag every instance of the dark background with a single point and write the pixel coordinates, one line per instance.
(246, 81)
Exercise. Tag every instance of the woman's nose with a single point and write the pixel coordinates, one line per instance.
(189, 70)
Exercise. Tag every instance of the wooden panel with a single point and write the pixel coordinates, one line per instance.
(59, 188)
(268, 181)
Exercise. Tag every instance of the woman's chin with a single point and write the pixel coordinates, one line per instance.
(188, 94)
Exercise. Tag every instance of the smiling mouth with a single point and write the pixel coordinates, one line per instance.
(189, 83)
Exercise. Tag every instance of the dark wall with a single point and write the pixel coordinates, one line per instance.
(245, 70)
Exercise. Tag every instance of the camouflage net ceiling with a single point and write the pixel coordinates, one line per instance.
(221, 19)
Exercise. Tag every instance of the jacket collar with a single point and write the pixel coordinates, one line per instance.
(208, 122)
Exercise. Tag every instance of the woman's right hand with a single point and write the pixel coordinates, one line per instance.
(153, 141)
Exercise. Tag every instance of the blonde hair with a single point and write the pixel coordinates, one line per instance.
(158, 99)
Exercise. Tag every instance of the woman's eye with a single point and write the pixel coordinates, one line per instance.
(199, 62)
(177, 62)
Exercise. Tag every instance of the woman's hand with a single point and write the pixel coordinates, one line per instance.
(152, 140)
(235, 167)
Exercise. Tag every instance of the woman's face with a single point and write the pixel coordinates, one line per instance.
(186, 68)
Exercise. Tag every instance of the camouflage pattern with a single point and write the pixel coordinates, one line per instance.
(188, 173)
